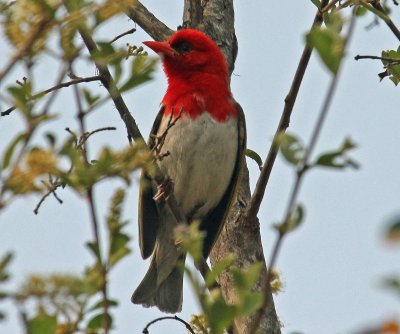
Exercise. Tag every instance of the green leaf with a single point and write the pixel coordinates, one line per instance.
(142, 69)
(291, 148)
(217, 269)
(51, 138)
(118, 255)
(333, 20)
(317, 3)
(42, 324)
(219, 314)
(255, 156)
(118, 241)
(329, 45)
(100, 304)
(21, 94)
(117, 72)
(10, 150)
(94, 248)
(294, 221)
(392, 283)
(361, 11)
(250, 303)
(246, 278)
(392, 68)
(4, 262)
(190, 237)
(97, 321)
(89, 98)
(338, 158)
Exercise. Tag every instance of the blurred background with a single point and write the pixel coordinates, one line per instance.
(333, 266)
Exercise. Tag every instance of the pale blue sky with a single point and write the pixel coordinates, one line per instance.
(331, 267)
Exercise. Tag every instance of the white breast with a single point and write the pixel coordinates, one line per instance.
(201, 159)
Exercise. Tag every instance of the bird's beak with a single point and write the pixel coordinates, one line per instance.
(162, 48)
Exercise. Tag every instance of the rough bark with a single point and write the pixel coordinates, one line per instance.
(242, 239)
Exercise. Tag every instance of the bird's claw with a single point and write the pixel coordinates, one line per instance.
(164, 190)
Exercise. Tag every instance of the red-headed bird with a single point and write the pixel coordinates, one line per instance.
(202, 154)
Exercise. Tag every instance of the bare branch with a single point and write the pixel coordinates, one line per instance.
(85, 136)
(56, 87)
(305, 163)
(187, 325)
(52, 190)
(148, 22)
(160, 140)
(389, 60)
(258, 195)
(81, 145)
(131, 31)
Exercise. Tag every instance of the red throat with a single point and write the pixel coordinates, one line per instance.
(195, 99)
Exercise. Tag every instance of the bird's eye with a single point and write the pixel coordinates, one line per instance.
(183, 47)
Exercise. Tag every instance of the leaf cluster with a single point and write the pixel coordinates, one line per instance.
(67, 303)
(391, 63)
(218, 314)
(293, 151)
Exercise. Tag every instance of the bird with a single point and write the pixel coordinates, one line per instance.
(199, 135)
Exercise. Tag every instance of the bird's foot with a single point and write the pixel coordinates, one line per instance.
(164, 190)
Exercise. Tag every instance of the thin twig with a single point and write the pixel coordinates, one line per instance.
(305, 163)
(160, 140)
(187, 325)
(389, 60)
(149, 23)
(81, 145)
(86, 135)
(54, 88)
(130, 31)
(51, 190)
(258, 195)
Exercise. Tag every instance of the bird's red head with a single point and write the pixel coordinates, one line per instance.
(189, 52)
(197, 75)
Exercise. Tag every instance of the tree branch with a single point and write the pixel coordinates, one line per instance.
(148, 22)
(187, 325)
(52, 89)
(389, 60)
(258, 195)
(304, 165)
(130, 31)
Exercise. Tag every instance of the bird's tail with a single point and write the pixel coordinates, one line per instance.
(167, 294)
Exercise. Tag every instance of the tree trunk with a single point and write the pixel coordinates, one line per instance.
(240, 238)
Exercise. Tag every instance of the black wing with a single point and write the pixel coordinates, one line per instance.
(148, 214)
(213, 223)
